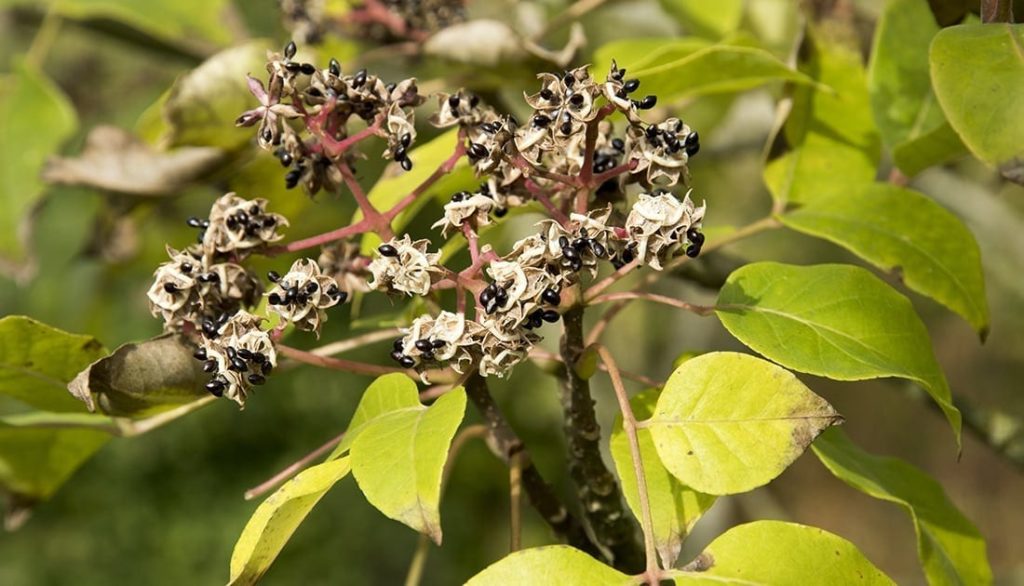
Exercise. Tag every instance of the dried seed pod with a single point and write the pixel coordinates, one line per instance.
(304, 293)
(659, 223)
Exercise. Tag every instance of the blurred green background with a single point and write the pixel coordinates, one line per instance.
(167, 507)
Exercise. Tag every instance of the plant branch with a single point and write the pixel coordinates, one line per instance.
(292, 469)
(702, 310)
(360, 227)
(505, 444)
(339, 363)
(629, 427)
(595, 484)
(442, 170)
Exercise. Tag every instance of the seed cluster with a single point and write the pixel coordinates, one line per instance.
(405, 267)
(302, 295)
(328, 100)
(238, 355)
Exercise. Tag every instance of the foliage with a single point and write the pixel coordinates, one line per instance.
(394, 204)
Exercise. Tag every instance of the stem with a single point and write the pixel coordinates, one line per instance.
(996, 11)
(360, 227)
(530, 170)
(339, 363)
(343, 145)
(645, 380)
(293, 469)
(445, 168)
(515, 483)
(596, 289)
(629, 427)
(471, 237)
(539, 194)
(505, 444)
(356, 342)
(44, 38)
(370, 213)
(595, 484)
(702, 310)
(600, 178)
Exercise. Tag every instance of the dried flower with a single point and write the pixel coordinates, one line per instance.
(238, 225)
(405, 266)
(474, 208)
(662, 150)
(302, 295)
(239, 357)
(447, 339)
(659, 223)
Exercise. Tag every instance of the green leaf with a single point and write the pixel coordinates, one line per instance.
(674, 506)
(905, 109)
(142, 379)
(552, 565)
(36, 119)
(780, 553)
(203, 104)
(829, 142)
(398, 460)
(837, 321)
(643, 52)
(727, 423)
(977, 72)
(716, 69)
(37, 362)
(950, 547)
(36, 461)
(905, 232)
(713, 20)
(277, 518)
(387, 394)
(180, 20)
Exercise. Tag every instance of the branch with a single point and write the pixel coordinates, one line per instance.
(505, 444)
(595, 484)
(293, 469)
(339, 363)
(629, 427)
(702, 310)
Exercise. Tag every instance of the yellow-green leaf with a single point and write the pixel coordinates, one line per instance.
(950, 547)
(35, 118)
(37, 362)
(674, 506)
(777, 553)
(837, 321)
(552, 565)
(727, 423)
(713, 20)
(902, 231)
(829, 141)
(905, 108)
(398, 460)
(978, 75)
(277, 518)
(178, 20)
(637, 53)
(387, 394)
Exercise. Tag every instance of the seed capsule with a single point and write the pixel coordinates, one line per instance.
(308, 68)
(170, 287)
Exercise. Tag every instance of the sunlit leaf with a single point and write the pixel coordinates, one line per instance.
(398, 460)
(950, 547)
(142, 378)
(277, 518)
(387, 394)
(905, 232)
(908, 115)
(837, 321)
(779, 553)
(727, 423)
(637, 53)
(37, 362)
(36, 118)
(180, 20)
(553, 565)
(829, 142)
(674, 506)
(978, 72)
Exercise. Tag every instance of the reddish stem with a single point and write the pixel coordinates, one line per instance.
(338, 363)
(473, 239)
(360, 227)
(614, 172)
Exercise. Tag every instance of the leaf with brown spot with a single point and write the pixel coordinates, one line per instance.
(142, 378)
(728, 422)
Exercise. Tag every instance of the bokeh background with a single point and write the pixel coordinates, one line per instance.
(167, 507)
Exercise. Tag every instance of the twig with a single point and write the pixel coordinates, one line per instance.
(442, 170)
(629, 427)
(515, 482)
(702, 310)
(292, 469)
(338, 363)
(645, 380)
(596, 289)
(357, 342)
(359, 227)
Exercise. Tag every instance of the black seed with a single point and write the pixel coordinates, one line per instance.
(477, 150)
(568, 80)
(311, 287)
(563, 242)
(335, 68)
(406, 164)
(551, 297)
(491, 306)
(266, 367)
(546, 94)
(256, 379)
(397, 355)
(618, 144)
(387, 250)
(571, 253)
(171, 288)
(200, 353)
(398, 345)
(437, 344)
(186, 268)
(308, 68)
(599, 250)
(274, 299)
(576, 100)
(692, 138)
(239, 365)
(293, 67)
(391, 87)
(541, 121)
(194, 222)
(269, 221)
(631, 85)
(215, 387)
(695, 237)
(423, 345)
(692, 251)
(291, 179)
(316, 93)
(245, 354)
(231, 352)
(407, 362)
(566, 128)
(290, 49)
(210, 366)
(459, 196)
(473, 101)
(501, 296)
(400, 153)
(360, 78)
(427, 356)
(648, 102)
(500, 212)
(258, 358)
(692, 149)
(273, 276)
(486, 297)
(406, 140)
(551, 316)
(453, 101)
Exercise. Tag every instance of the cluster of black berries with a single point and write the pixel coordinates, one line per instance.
(302, 295)
(425, 346)
(237, 354)
(254, 366)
